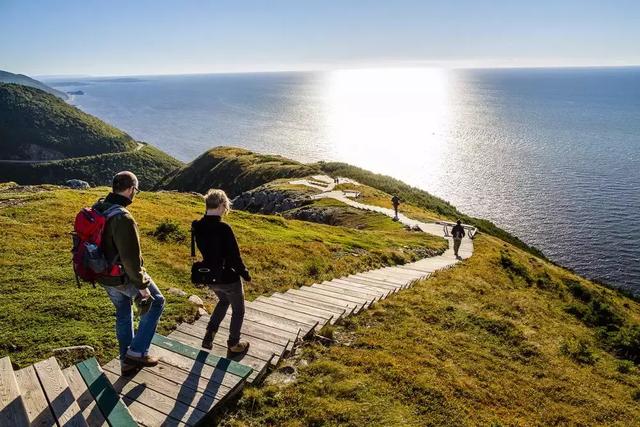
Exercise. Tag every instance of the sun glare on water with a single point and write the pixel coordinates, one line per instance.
(383, 117)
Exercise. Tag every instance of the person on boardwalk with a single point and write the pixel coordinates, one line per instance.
(395, 200)
(121, 242)
(458, 233)
(217, 243)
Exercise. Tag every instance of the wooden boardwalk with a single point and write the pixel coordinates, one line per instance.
(190, 382)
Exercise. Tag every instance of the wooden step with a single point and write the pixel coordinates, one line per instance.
(413, 267)
(340, 311)
(111, 406)
(402, 272)
(302, 329)
(381, 292)
(252, 328)
(394, 275)
(340, 293)
(89, 407)
(358, 288)
(395, 287)
(13, 411)
(34, 399)
(56, 389)
(312, 321)
(304, 292)
(257, 346)
(371, 283)
(229, 365)
(259, 365)
(385, 278)
(326, 316)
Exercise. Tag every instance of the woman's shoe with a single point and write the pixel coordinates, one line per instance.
(241, 347)
(207, 341)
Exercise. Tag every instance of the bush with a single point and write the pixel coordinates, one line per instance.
(515, 268)
(578, 350)
(625, 343)
(169, 231)
(624, 366)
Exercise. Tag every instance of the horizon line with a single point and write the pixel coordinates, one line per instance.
(318, 70)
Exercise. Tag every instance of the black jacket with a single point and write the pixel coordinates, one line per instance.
(219, 248)
(458, 231)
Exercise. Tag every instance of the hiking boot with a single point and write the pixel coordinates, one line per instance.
(207, 341)
(240, 347)
(127, 368)
(146, 360)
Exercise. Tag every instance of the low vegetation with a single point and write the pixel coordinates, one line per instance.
(149, 164)
(38, 291)
(489, 342)
(235, 170)
(37, 125)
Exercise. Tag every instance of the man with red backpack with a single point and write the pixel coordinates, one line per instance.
(121, 243)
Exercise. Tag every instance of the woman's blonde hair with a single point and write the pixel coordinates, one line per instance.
(216, 198)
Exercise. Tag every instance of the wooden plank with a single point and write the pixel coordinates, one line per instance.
(58, 393)
(89, 407)
(257, 364)
(192, 379)
(175, 391)
(373, 275)
(289, 314)
(257, 347)
(277, 322)
(326, 316)
(393, 275)
(304, 292)
(381, 292)
(223, 363)
(13, 409)
(150, 417)
(395, 270)
(371, 283)
(210, 374)
(34, 399)
(358, 288)
(252, 328)
(170, 408)
(112, 408)
(417, 269)
(340, 310)
(339, 293)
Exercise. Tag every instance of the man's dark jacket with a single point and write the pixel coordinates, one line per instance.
(121, 241)
(219, 248)
(457, 231)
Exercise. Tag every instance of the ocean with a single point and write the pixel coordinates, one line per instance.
(551, 155)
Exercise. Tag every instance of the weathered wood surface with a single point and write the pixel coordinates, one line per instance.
(61, 400)
(89, 407)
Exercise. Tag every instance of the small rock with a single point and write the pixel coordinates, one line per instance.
(196, 300)
(177, 292)
(77, 184)
(202, 312)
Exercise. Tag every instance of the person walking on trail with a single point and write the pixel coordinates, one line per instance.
(217, 243)
(395, 200)
(121, 242)
(458, 233)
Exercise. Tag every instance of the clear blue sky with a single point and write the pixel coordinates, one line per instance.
(113, 37)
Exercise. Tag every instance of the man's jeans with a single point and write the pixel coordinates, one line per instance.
(456, 245)
(231, 294)
(122, 297)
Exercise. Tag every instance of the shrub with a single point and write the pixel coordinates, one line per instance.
(515, 268)
(169, 231)
(625, 343)
(624, 366)
(577, 290)
(578, 350)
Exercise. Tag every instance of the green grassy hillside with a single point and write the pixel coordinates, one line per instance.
(148, 163)
(21, 79)
(41, 308)
(503, 339)
(37, 125)
(235, 170)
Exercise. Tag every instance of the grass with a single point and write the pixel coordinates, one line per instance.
(475, 345)
(41, 308)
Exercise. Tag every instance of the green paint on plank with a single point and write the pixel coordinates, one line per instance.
(114, 410)
(218, 362)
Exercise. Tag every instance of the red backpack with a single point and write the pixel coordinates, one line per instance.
(89, 262)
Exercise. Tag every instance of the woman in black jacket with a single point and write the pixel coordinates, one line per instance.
(220, 252)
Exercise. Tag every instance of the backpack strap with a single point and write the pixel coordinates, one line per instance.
(113, 211)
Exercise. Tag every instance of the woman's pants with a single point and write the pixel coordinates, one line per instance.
(230, 294)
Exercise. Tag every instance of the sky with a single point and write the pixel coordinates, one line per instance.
(137, 37)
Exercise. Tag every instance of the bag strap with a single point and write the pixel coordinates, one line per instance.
(193, 240)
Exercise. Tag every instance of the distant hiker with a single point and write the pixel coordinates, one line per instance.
(220, 269)
(121, 242)
(395, 200)
(458, 233)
